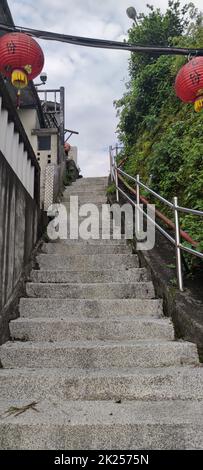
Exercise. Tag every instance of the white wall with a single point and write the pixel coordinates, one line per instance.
(73, 154)
(30, 121)
(14, 152)
(45, 158)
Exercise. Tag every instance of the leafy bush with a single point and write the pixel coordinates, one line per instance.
(111, 189)
(162, 136)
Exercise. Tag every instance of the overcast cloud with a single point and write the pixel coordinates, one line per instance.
(93, 78)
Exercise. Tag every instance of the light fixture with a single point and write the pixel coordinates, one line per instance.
(43, 78)
(132, 14)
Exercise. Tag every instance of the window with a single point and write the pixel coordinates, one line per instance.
(44, 142)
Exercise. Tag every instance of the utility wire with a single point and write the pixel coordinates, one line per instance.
(102, 43)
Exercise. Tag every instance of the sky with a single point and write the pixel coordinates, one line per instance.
(93, 78)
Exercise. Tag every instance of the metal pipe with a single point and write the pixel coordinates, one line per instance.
(111, 163)
(45, 99)
(159, 228)
(162, 199)
(55, 102)
(176, 209)
(178, 249)
(138, 205)
(50, 90)
(190, 211)
(191, 251)
(160, 215)
(116, 180)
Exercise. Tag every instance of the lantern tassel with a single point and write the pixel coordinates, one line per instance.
(18, 99)
(198, 104)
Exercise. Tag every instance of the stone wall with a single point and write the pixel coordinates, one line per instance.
(19, 217)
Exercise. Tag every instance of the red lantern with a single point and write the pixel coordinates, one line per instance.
(67, 147)
(21, 58)
(189, 83)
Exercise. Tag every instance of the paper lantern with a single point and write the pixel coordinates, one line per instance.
(21, 58)
(189, 83)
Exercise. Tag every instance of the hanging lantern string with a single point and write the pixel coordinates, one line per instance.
(102, 43)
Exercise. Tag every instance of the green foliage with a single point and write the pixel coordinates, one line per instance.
(111, 189)
(162, 136)
(67, 180)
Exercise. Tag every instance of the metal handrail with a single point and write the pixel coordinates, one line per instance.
(115, 171)
(161, 230)
(142, 185)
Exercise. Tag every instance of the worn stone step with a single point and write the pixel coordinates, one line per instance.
(71, 425)
(108, 275)
(113, 290)
(91, 180)
(109, 384)
(50, 329)
(92, 191)
(91, 205)
(98, 188)
(87, 186)
(84, 194)
(99, 242)
(98, 354)
(89, 308)
(102, 237)
(98, 223)
(71, 250)
(85, 199)
(87, 262)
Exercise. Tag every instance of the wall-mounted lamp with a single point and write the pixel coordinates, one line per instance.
(43, 78)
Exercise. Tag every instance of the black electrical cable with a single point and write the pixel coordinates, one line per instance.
(102, 43)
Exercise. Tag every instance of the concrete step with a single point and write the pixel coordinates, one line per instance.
(99, 190)
(98, 354)
(102, 237)
(108, 275)
(113, 290)
(87, 262)
(109, 384)
(71, 425)
(80, 248)
(99, 204)
(91, 308)
(99, 242)
(89, 184)
(92, 241)
(75, 329)
(87, 187)
(85, 199)
(91, 179)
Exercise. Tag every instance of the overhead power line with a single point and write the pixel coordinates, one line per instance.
(102, 43)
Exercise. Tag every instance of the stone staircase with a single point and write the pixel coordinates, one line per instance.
(93, 351)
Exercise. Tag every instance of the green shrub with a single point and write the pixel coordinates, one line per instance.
(162, 136)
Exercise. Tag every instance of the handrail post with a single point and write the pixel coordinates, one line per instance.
(178, 250)
(111, 162)
(138, 205)
(116, 179)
